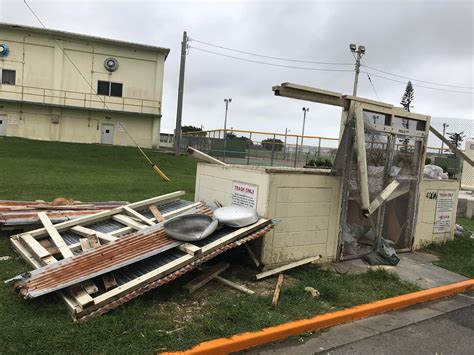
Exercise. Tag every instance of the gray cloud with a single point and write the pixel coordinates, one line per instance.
(428, 40)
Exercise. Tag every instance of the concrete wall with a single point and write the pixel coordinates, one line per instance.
(467, 179)
(425, 227)
(75, 125)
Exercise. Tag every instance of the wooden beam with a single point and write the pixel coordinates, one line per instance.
(276, 293)
(205, 157)
(286, 267)
(452, 146)
(128, 221)
(233, 285)
(90, 287)
(156, 213)
(83, 231)
(361, 158)
(383, 196)
(55, 236)
(252, 255)
(109, 281)
(205, 277)
(191, 249)
(138, 215)
(38, 251)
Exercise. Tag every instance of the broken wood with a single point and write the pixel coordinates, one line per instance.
(55, 236)
(138, 215)
(252, 255)
(109, 281)
(286, 267)
(452, 146)
(276, 294)
(205, 277)
(233, 285)
(382, 197)
(156, 213)
(191, 249)
(121, 218)
(205, 157)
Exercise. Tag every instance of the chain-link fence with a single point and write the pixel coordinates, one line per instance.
(263, 148)
(291, 150)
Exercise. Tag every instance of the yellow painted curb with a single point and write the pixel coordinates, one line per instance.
(282, 331)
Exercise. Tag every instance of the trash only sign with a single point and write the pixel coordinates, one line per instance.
(244, 194)
(444, 211)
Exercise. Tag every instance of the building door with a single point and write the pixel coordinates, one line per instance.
(3, 125)
(107, 133)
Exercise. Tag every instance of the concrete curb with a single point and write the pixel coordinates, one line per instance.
(282, 331)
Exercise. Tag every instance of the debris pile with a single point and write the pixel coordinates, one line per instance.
(98, 262)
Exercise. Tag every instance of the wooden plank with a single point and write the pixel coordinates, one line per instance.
(252, 255)
(172, 266)
(55, 236)
(109, 281)
(286, 267)
(156, 213)
(205, 277)
(452, 146)
(128, 221)
(39, 252)
(383, 196)
(361, 159)
(138, 215)
(83, 231)
(174, 196)
(233, 285)
(81, 296)
(90, 287)
(276, 293)
(191, 249)
(205, 157)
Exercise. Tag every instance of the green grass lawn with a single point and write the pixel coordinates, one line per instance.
(457, 255)
(166, 318)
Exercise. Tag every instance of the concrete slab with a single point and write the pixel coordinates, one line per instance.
(418, 313)
(419, 257)
(384, 322)
(425, 275)
(450, 304)
(346, 333)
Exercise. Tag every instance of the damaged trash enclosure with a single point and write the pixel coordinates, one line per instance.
(394, 146)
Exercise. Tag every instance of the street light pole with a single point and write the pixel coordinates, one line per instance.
(444, 131)
(305, 109)
(360, 52)
(227, 102)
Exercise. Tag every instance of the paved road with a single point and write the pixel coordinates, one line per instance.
(450, 333)
(444, 326)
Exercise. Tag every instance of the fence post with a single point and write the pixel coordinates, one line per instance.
(273, 150)
(249, 145)
(296, 152)
(319, 149)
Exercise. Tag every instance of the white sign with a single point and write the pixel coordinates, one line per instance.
(13, 118)
(244, 194)
(444, 211)
(120, 126)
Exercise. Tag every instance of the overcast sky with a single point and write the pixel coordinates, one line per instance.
(425, 40)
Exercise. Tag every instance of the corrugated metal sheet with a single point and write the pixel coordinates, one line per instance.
(127, 250)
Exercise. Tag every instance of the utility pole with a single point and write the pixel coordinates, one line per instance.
(179, 111)
(227, 102)
(445, 125)
(360, 52)
(305, 109)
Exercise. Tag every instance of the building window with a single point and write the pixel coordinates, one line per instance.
(8, 77)
(108, 88)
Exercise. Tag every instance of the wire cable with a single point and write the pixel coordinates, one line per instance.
(421, 81)
(270, 64)
(368, 76)
(267, 56)
(153, 165)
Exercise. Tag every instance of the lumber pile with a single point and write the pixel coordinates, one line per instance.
(101, 261)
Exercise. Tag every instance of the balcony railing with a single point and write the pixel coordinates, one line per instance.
(78, 99)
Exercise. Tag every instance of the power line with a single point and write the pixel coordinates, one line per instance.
(421, 81)
(422, 86)
(153, 165)
(268, 56)
(368, 77)
(271, 64)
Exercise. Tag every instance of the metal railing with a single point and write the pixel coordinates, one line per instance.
(78, 99)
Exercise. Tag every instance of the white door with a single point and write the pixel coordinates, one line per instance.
(107, 133)
(3, 125)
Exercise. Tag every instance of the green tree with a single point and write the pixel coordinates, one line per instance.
(456, 138)
(267, 144)
(408, 96)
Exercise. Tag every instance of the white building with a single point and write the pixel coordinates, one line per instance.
(69, 87)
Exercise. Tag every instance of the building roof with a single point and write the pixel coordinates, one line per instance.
(85, 37)
(166, 130)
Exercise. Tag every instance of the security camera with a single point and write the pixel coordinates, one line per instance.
(352, 47)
